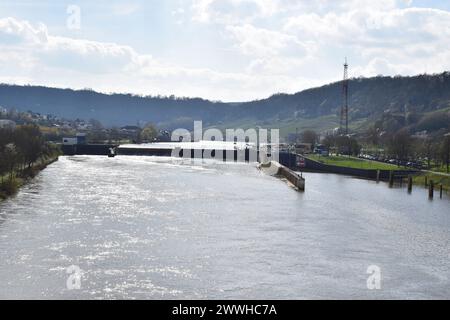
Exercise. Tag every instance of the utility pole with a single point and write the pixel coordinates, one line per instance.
(344, 109)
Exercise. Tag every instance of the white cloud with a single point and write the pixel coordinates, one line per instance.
(287, 36)
(260, 42)
(244, 11)
(368, 26)
(262, 47)
(124, 8)
(14, 31)
(404, 40)
(36, 57)
(232, 11)
(62, 51)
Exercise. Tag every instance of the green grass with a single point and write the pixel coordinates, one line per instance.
(437, 179)
(286, 126)
(442, 169)
(9, 188)
(351, 162)
(318, 124)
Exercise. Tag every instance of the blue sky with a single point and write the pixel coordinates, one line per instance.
(229, 50)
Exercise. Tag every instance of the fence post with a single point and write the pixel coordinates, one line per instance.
(410, 182)
(431, 190)
(391, 179)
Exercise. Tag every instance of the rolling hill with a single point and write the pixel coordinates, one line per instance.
(420, 102)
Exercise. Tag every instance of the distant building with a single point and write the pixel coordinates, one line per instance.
(70, 141)
(163, 136)
(130, 129)
(83, 126)
(7, 124)
(303, 148)
(321, 149)
(80, 138)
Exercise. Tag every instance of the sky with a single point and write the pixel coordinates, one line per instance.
(229, 50)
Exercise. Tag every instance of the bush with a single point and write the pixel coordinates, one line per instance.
(30, 172)
(8, 187)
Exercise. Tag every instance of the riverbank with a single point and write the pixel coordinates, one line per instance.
(437, 179)
(307, 164)
(9, 187)
(354, 163)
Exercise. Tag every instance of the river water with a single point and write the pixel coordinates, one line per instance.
(157, 228)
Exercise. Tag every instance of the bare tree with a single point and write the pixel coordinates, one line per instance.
(309, 136)
(445, 151)
(149, 133)
(400, 144)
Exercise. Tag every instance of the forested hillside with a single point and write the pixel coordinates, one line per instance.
(420, 102)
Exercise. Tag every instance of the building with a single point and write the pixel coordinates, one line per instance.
(130, 129)
(80, 138)
(70, 141)
(321, 150)
(303, 148)
(7, 124)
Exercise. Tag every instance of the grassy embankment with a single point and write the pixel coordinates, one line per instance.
(441, 168)
(419, 180)
(9, 187)
(437, 174)
(436, 178)
(352, 162)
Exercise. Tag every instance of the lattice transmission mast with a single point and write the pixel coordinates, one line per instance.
(344, 109)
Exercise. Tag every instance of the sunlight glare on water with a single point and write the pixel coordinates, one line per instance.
(158, 228)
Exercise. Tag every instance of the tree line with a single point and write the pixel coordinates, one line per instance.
(428, 151)
(21, 149)
(431, 150)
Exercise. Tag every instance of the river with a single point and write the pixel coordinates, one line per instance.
(159, 228)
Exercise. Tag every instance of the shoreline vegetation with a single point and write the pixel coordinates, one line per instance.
(422, 179)
(23, 154)
(9, 188)
(352, 162)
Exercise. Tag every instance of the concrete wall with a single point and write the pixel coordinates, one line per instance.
(87, 149)
(276, 169)
(290, 160)
(221, 155)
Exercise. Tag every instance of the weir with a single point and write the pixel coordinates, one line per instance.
(276, 169)
(223, 151)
